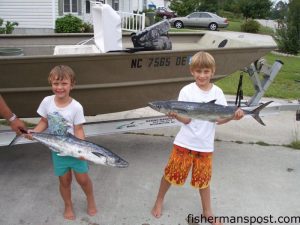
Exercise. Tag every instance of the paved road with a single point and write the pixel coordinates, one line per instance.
(248, 180)
(268, 23)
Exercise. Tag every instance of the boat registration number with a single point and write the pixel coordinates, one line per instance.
(160, 62)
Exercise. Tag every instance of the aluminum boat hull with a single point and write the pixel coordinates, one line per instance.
(117, 81)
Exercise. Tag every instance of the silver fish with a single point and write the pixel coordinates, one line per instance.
(69, 145)
(204, 111)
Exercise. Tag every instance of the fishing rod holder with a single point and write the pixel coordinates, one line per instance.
(261, 83)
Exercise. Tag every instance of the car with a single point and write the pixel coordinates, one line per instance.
(164, 13)
(200, 19)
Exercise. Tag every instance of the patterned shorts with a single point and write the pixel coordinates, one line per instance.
(180, 163)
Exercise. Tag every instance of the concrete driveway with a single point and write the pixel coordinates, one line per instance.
(248, 180)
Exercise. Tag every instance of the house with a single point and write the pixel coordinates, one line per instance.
(38, 16)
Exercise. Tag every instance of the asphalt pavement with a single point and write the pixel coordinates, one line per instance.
(249, 180)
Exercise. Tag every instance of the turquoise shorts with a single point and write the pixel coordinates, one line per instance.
(63, 164)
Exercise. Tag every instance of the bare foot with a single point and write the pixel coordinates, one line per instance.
(91, 208)
(157, 209)
(211, 219)
(69, 214)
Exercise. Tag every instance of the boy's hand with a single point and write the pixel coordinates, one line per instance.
(28, 135)
(238, 114)
(172, 115)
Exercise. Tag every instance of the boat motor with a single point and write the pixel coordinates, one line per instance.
(154, 37)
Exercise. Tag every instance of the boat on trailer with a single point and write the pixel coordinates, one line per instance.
(117, 80)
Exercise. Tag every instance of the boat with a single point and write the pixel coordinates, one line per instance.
(118, 80)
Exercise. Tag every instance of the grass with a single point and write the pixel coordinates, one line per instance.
(295, 145)
(28, 124)
(234, 25)
(283, 86)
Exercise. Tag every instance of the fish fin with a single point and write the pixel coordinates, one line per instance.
(212, 101)
(255, 112)
(14, 141)
(17, 137)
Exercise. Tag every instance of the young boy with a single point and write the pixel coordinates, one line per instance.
(194, 144)
(55, 111)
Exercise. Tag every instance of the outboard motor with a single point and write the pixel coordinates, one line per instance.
(154, 37)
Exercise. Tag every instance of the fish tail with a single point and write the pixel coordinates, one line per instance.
(256, 111)
(17, 137)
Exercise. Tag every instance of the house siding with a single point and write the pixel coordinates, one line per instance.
(29, 13)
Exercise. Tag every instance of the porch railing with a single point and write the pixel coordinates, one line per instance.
(132, 21)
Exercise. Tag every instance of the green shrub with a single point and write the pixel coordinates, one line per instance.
(250, 26)
(69, 24)
(88, 28)
(287, 40)
(8, 27)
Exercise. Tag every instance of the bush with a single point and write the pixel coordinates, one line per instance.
(69, 24)
(8, 27)
(250, 26)
(287, 40)
(88, 28)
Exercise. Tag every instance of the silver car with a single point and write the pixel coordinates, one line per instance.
(200, 19)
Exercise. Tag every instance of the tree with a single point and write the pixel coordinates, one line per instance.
(231, 6)
(185, 7)
(294, 16)
(255, 9)
(209, 5)
(288, 35)
(279, 12)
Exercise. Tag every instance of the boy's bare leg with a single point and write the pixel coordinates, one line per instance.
(65, 191)
(86, 184)
(157, 208)
(206, 204)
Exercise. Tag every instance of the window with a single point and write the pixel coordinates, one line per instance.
(205, 15)
(116, 5)
(87, 6)
(70, 6)
(194, 15)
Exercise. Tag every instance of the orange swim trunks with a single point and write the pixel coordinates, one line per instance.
(180, 163)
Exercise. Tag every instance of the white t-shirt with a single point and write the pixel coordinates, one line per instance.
(61, 120)
(199, 135)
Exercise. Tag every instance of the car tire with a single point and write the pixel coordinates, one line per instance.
(178, 24)
(213, 26)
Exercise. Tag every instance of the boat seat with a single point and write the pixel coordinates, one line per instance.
(75, 49)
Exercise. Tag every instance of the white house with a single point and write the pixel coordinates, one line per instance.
(36, 16)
